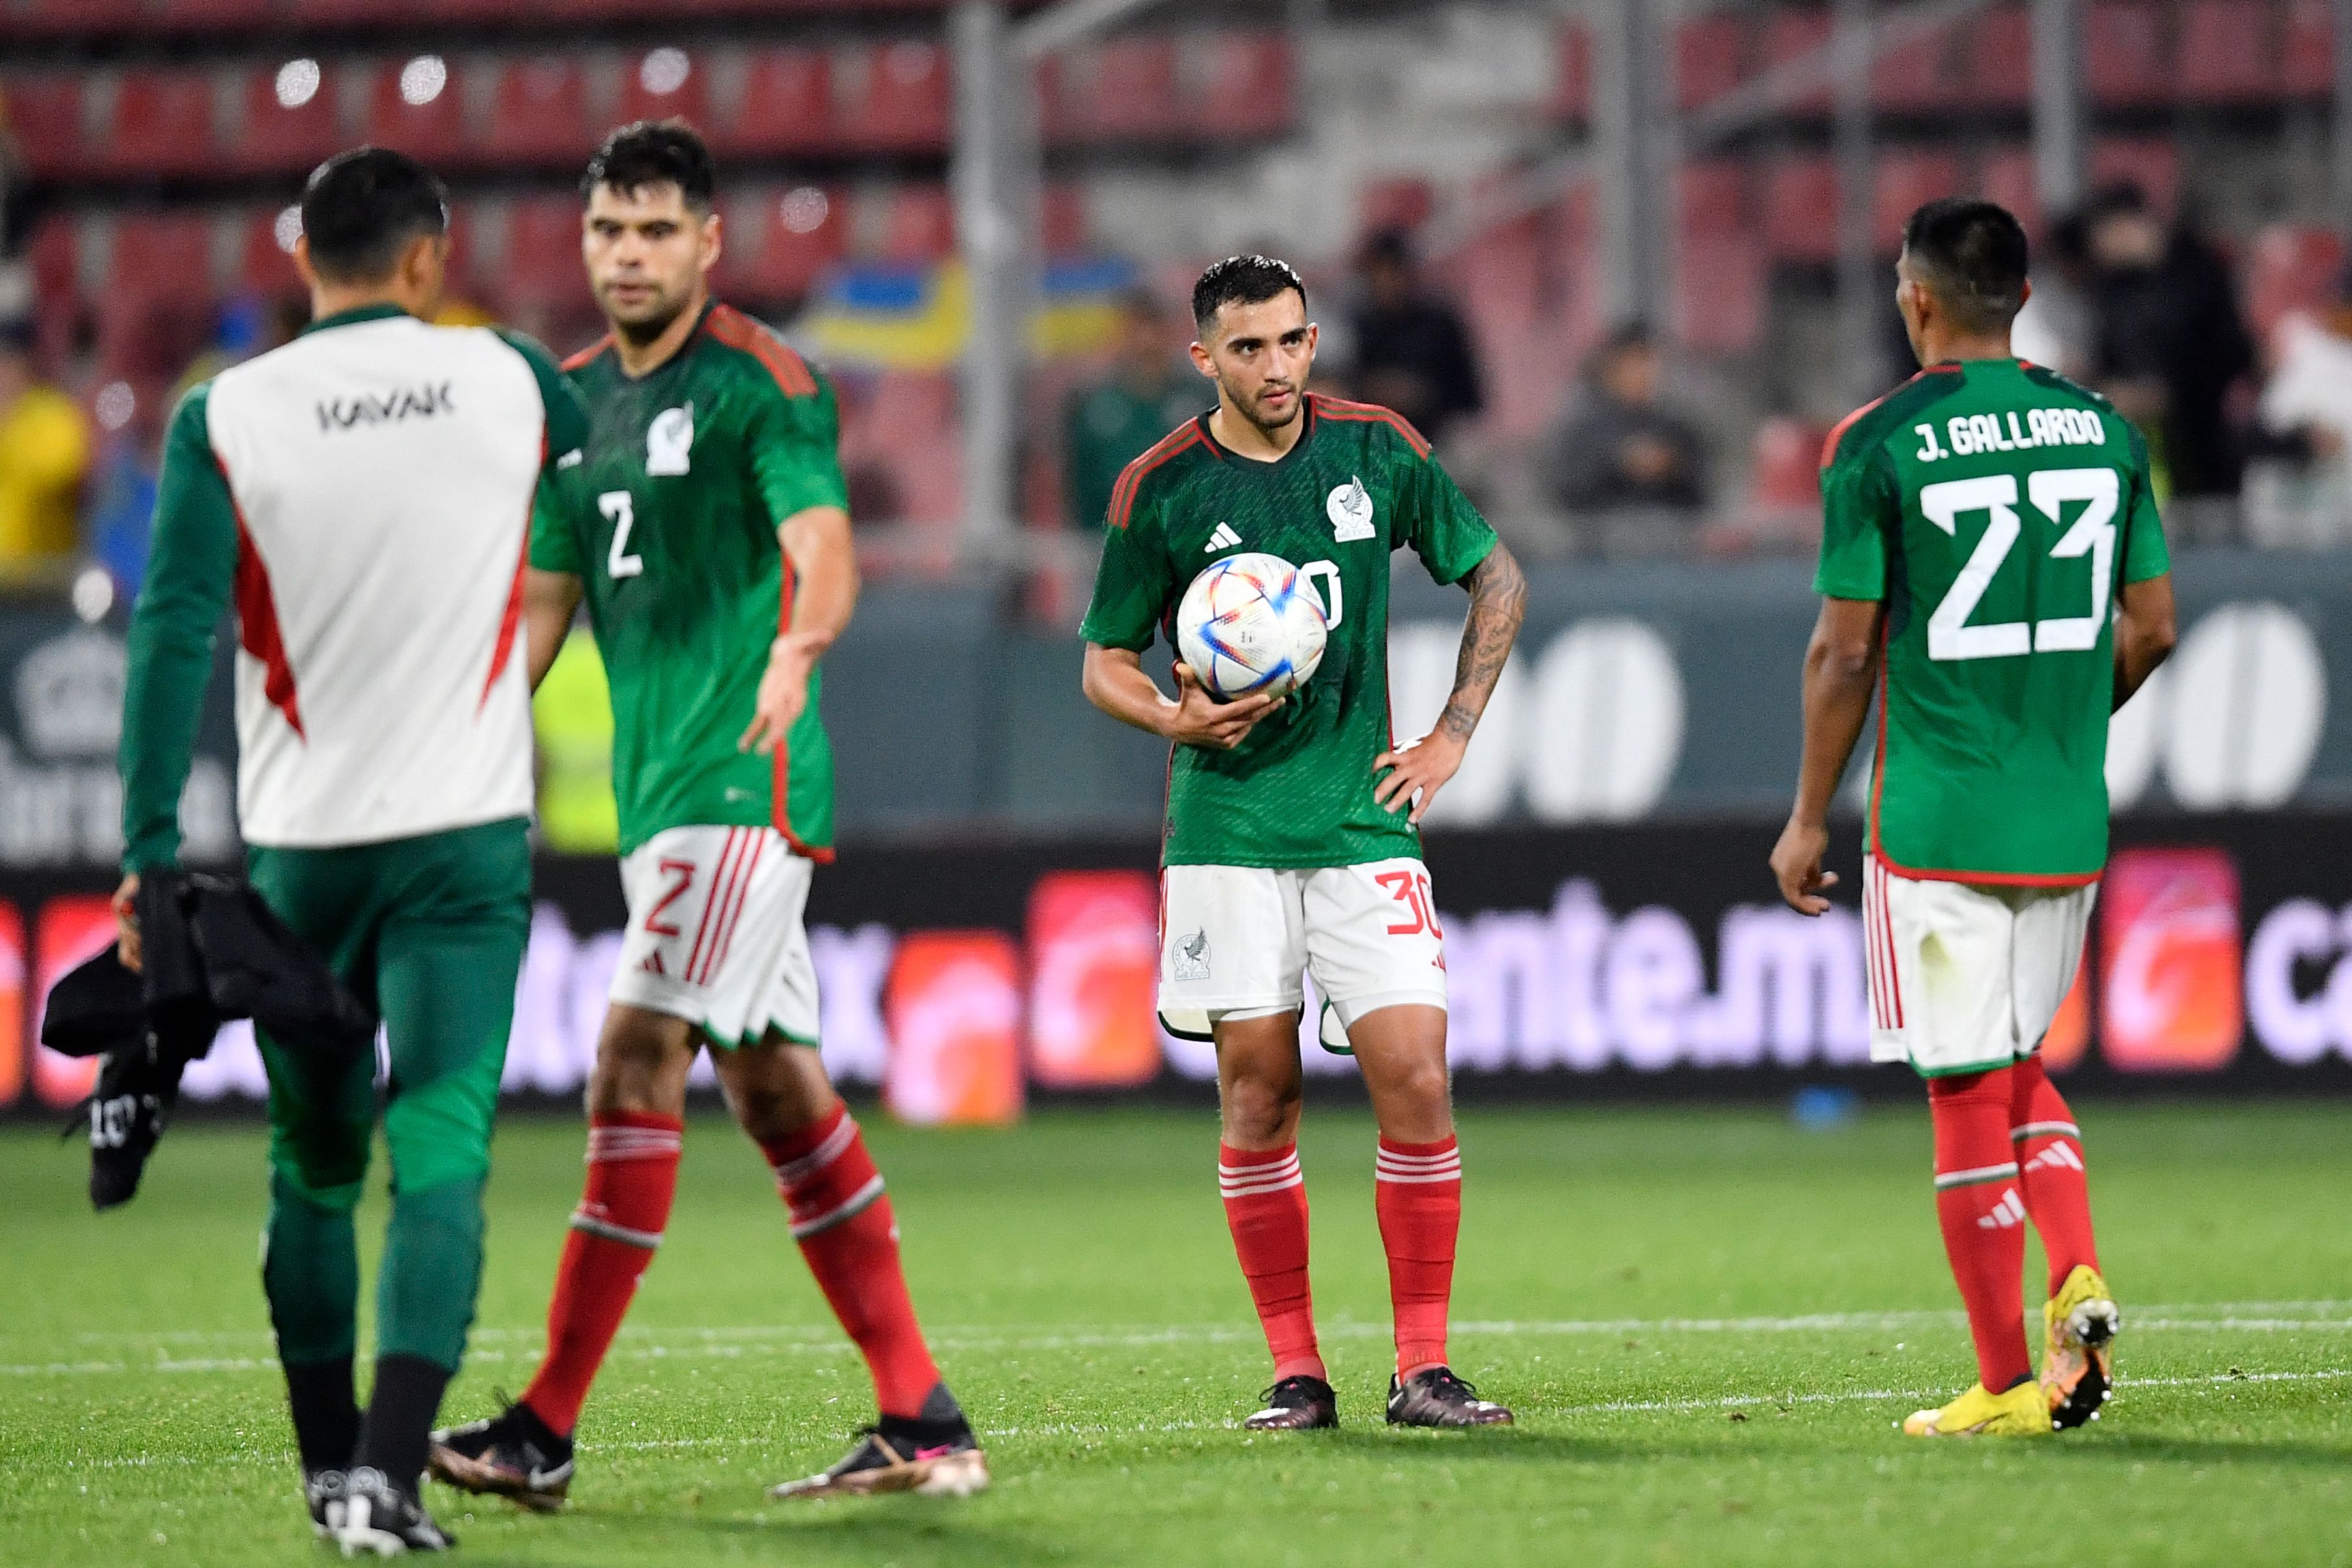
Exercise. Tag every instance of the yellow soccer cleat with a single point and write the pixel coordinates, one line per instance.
(2078, 1368)
(1979, 1413)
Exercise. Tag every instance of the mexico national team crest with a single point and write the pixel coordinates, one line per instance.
(669, 441)
(1191, 956)
(1349, 509)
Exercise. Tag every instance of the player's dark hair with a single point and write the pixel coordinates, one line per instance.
(1243, 280)
(362, 208)
(653, 152)
(1972, 253)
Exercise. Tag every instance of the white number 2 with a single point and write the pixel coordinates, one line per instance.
(616, 505)
(1326, 575)
(1949, 635)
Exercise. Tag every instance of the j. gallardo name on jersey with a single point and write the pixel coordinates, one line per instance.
(2016, 430)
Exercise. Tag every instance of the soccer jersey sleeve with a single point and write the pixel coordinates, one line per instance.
(1132, 585)
(567, 415)
(190, 571)
(1859, 505)
(1435, 517)
(2144, 555)
(794, 445)
(554, 529)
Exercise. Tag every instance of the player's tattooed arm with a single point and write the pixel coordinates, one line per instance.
(1841, 672)
(1498, 601)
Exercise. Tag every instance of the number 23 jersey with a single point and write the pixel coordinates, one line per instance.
(1360, 483)
(669, 519)
(1996, 507)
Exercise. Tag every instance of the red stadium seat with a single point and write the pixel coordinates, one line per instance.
(2226, 52)
(893, 98)
(1720, 288)
(540, 113)
(1997, 51)
(158, 268)
(44, 112)
(2124, 60)
(1062, 226)
(2310, 50)
(787, 104)
(265, 257)
(1123, 90)
(1901, 184)
(349, 13)
(1792, 34)
(1786, 454)
(194, 16)
(56, 254)
(1711, 59)
(2153, 165)
(162, 123)
(2007, 177)
(541, 265)
(416, 105)
(1243, 84)
(1571, 93)
(1917, 77)
(1801, 210)
(93, 17)
(289, 118)
(663, 82)
(918, 225)
(789, 240)
(1394, 203)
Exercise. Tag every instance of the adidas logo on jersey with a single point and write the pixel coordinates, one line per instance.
(1224, 538)
(2057, 1157)
(2008, 1212)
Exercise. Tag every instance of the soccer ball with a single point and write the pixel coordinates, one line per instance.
(1250, 623)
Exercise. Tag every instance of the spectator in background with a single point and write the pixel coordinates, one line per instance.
(2054, 328)
(44, 457)
(1412, 352)
(2304, 497)
(2167, 342)
(1620, 447)
(1149, 392)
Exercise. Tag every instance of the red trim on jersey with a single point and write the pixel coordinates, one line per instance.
(1837, 431)
(587, 355)
(1360, 413)
(736, 330)
(513, 616)
(1132, 477)
(257, 630)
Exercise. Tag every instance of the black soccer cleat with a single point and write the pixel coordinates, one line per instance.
(1296, 1405)
(513, 1455)
(1436, 1397)
(385, 1519)
(931, 1458)
(323, 1491)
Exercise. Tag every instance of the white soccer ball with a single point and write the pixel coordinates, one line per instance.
(1252, 622)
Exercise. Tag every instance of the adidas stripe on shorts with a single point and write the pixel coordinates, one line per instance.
(1965, 977)
(715, 934)
(1235, 940)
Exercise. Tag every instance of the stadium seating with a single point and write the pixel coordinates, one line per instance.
(2006, 175)
(2309, 50)
(1921, 76)
(2226, 53)
(1711, 59)
(782, 242)
(918, 224)
(2126, 62)
(289, 119)
(1064, 227)
(663, 82)
(415, 105)
(1801, 210)
(541, 265)
(539, 112)
(1573, 90)
(162, 123)
(2153, 165)
(1998, 58)
(204, 16)
(892, 98)
(46, 114)
(1241, 85)
(265, 261)
(1792, 34)
(44, 17)
(1124, 90)
(787, 105)
(1786, 456)
(1904, 181)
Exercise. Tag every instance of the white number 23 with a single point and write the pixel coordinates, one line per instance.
(1949, 635)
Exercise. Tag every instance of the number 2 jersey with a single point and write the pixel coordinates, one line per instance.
(1360, 483)
(1995, 507)
(669, 518)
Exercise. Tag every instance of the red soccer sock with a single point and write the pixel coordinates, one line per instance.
(1265, 1207)
(631, 1177)
(1983, 1218)
(1417, 1192)
(2049, 1150)
(846, 1231)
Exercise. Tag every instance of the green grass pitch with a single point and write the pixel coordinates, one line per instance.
(1709, 1322)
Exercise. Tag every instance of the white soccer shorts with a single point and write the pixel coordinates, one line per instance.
(715, 934)
(1235, 941)
(1965, 977)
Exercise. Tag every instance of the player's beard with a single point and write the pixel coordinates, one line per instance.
(1253, 410)
(650, 321)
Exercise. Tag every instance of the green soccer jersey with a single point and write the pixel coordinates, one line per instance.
(1360, 483)
(669, 518)
(1995, 507)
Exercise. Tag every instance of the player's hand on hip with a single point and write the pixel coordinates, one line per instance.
(1417, 772)
(1200, 719)
(783, 691)
(126, 923)
(1796, 866)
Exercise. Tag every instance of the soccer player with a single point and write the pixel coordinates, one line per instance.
(706, 523)
(360, 496)
(1293, 839)
(1992, 563)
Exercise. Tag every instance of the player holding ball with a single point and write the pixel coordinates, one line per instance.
(1293, 841)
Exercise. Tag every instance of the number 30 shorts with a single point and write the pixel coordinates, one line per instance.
(1965, 978)
(715, 934)
(1235, 941)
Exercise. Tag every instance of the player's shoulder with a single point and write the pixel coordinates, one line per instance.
(1859, 434)
(1384, 427)
(1164, 461)
(767, 359)
(2067, 392)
